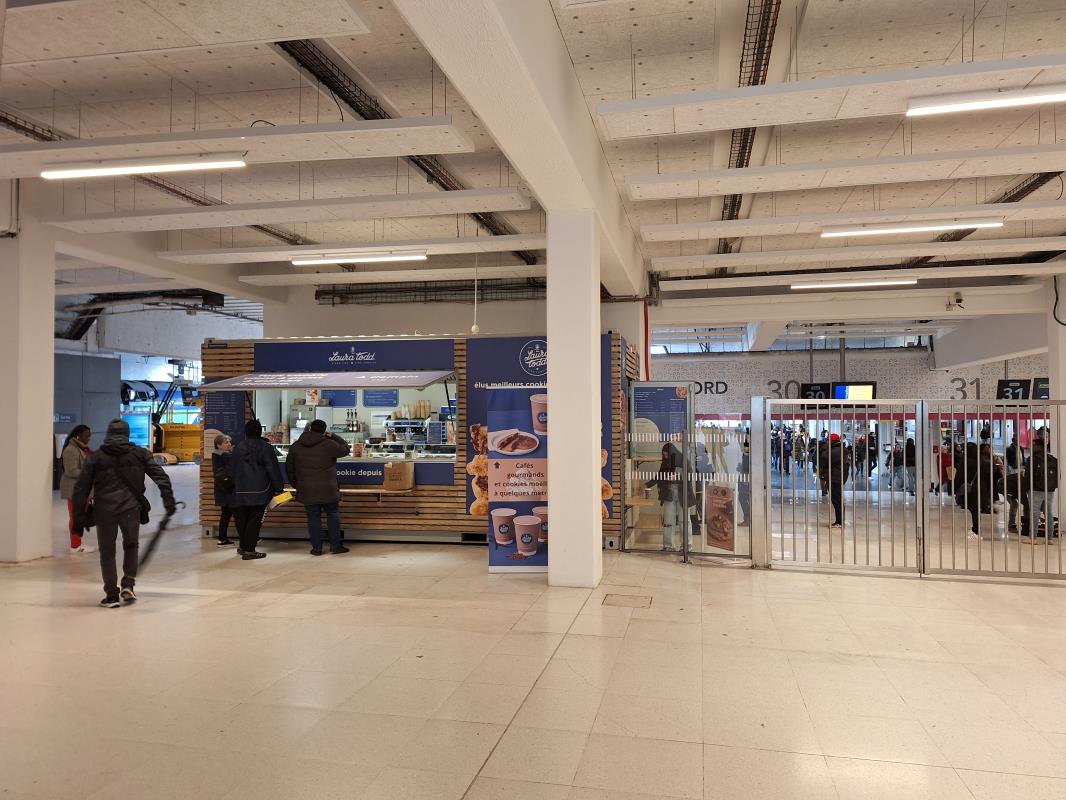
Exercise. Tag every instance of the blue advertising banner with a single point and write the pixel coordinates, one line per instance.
(666, 407)
(224, 412)
(341, 398)
(517, 479)
(361, 473)
(352, 356)
(381, 398)
(520, 363)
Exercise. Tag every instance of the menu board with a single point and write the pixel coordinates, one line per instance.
(381, 398)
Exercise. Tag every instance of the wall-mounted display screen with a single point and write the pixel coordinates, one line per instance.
(854, 390)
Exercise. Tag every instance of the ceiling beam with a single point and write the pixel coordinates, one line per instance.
(534, 108)
(397, 276)
(979, 341)
(74, 289)
(759, 336)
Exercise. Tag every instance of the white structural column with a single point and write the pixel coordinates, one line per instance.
(576, 553)
(27, 314)
(1056, 340)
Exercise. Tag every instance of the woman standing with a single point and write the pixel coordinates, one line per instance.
(75, 453)
(225, 496)
(668, 480)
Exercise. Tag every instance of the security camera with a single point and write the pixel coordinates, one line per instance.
(955, 302)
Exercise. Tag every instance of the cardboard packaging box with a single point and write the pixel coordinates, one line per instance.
(399, 475)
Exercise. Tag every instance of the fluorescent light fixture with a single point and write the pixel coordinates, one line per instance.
(853, 284)
(982, 101)
(358, 258)
(143, 166)
(836, 232)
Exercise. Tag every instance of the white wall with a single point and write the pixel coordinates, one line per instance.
(169, 333)
(902, 374)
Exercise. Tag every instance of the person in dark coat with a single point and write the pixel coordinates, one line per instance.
(256, 480)
(1040, 481)
(225, 497)
(834, 465)
(74, 454)
(114, 476)
(668, 482)
(311, 467)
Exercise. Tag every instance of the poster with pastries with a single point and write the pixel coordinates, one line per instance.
(516, 441)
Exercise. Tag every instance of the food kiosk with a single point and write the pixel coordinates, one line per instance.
(411, 409)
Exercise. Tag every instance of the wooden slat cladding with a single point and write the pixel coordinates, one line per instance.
(427, 508)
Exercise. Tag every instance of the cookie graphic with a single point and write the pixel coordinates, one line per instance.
(480, 507)
(606, 490)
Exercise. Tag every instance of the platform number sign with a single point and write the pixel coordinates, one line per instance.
(1041, 388)
(816, 391)
(1013, 389)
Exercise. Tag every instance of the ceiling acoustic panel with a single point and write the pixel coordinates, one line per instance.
(431, 247)
(977, 248)
(262, 145)
(845, 97)
(852, 172)
(799, 224)
(343, 209)
(394, 276)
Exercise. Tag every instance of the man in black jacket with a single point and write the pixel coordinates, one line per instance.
(114, 476)
(834, 465)
(256, 480)
(1040, 481)
(311, 467)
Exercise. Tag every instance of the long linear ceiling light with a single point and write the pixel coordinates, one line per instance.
(143, 166)
(839, 231)
(358, 258)
(982, 101)
(853, 284)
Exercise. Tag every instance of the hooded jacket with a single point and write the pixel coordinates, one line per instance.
(311, 467)
(834, 462)
(221, 468)
(75, 454)
(111, 471)
(256, 474)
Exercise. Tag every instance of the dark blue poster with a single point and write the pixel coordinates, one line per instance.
(340, 398)
(366, 355)
(519, 363)
(666, 407)
(381, 398)
(518, 480)
(224, 412)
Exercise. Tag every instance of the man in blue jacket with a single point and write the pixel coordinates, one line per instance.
(256, 479)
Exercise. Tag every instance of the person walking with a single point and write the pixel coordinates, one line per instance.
(75, 453)
(1015, 462)
(114, 475)
(311, 467)
(1040, 481)
(256, 479)
(910, 465)
(835, 465)
(225, 497)
(668, 482)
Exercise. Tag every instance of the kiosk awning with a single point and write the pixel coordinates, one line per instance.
(413, 379)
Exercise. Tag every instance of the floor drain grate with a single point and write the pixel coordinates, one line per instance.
(628, 600)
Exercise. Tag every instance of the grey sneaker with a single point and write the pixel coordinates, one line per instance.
(128, 595)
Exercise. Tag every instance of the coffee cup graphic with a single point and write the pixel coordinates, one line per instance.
(527, 534)
(539, 407)
(503, 525)
(541, 512)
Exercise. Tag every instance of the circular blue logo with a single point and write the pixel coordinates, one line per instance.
(505, 528)
(533, 357)
(542, 417)
(527, 538)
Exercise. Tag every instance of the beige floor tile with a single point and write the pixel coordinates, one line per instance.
(600, 625)
(537, 755)
(409, 697)
(482, 702)
(522, 643)
(365, 739)
(650, 766)
(508, 670)
(302, 779)
(449, 746)
(666, 682)
(497, 789)
(179, 773)
(650, 630)
(995, 750)
(878, 738)
(735, 724)
(546, 621)
(584, 793)
(398, 783)
(650, 718)
(862, 779)
(735, 772)
(441, 665)
(310, 689)
(559, 709)
(1001, 786)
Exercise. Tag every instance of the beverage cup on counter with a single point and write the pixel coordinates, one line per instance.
(541, 513)
(503, 525)
(527, 534)
(539, 406)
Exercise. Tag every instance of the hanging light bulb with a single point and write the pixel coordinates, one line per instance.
(475, 328)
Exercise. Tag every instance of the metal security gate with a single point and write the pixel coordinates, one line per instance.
(923, 486)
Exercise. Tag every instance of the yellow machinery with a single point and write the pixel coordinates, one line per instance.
(183, 442)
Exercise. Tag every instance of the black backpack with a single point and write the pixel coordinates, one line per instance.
(1045, 476)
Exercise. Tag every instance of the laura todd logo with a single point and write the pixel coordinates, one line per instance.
(534, 357)
(353, 356)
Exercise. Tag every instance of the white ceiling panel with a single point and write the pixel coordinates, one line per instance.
(334, 140)
(335, 209)
(976, 248)
(395, 276)
(432, 247)
(852, 172)
(813, 223)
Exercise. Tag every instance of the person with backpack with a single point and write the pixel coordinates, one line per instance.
(834, 466)
(114, 475)
(225, 497)
(311, 467)
(256, 480)
(668, 482)
(1040, 481)
(74, 454)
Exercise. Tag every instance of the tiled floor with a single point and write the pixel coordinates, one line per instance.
(409, 672)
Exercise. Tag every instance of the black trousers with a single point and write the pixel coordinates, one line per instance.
(226, 513)
(249, 521)
(836, 498)
(107, 530)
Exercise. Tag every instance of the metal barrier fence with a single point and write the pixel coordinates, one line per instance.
(908, 485)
